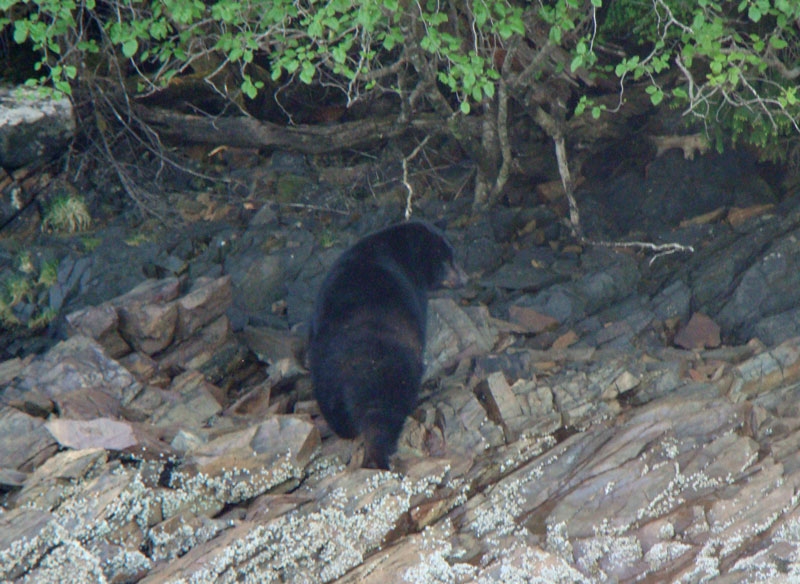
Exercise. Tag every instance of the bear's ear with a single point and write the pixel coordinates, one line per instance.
(441, 224)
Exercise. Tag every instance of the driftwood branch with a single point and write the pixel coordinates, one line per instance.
(309, 139)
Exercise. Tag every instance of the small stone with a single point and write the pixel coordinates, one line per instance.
(568, 339)
(737, 216)
(99, 433)
(531, 320)
(699, 333)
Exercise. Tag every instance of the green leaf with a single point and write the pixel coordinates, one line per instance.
(656, 97)
(581, 107)
(596, 112)
(63, 86)
(577, 63)
(778, 43)
(464, 107)
(307, 72)
(130, 47)
(248, 88)
(21, 31)
(754, 13)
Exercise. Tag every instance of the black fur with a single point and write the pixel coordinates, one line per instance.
(368, 332)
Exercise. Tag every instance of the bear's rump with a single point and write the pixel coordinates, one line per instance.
(366, 368)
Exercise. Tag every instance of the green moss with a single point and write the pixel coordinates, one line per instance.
(138, 239)
(26, 286)
(17, 289)
(327, 238)
(48, 275)
(68, 214)
(90, 243)
(42, 319)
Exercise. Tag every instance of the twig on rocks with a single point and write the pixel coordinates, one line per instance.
(407, 184)
(314, 208)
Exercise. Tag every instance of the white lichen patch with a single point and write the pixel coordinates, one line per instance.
(312, 546)
(522, 564)
(789, 531)
(203, 493)
(676, 492)
(23, 554)
(557, 540)
(69, 563)
(498, 513)
(433, 565)
(706, 564)
(666, 531)
(664, 552)
(618, 552)
(525, 449)
(760, 567)
(170, 541)
(126, 562)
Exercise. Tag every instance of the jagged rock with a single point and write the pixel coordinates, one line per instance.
(188, 404)
(21, 525)
(205, 302)
(78, 372)
(50, 484)
(455, 333)
(271, 345)
(24, 441)
(766, 371)
(147, 317)
(100, 323)
(243, 464)
(771, 285)
(201, 349)
(502, 405)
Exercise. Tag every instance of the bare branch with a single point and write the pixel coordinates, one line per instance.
(407, 184)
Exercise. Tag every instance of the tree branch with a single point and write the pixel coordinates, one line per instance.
(309, 139)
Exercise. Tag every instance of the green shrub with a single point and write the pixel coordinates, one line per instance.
(711, 58)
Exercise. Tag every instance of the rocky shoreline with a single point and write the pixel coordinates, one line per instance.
(559, 446)
(589, 414)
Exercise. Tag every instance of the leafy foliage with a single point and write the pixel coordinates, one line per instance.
(735, 62)
(711, 57)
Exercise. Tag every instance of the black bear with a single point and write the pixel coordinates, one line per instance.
(368, 332)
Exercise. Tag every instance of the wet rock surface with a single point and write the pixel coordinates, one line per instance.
(587, 415)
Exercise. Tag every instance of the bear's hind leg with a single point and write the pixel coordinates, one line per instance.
(381, 433)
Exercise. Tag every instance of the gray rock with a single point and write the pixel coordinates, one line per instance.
(33, 126)
(773, 330)
(769, 286)
(673, 301)
(529, 271)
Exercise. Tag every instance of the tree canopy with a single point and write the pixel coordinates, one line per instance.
(729, 66)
